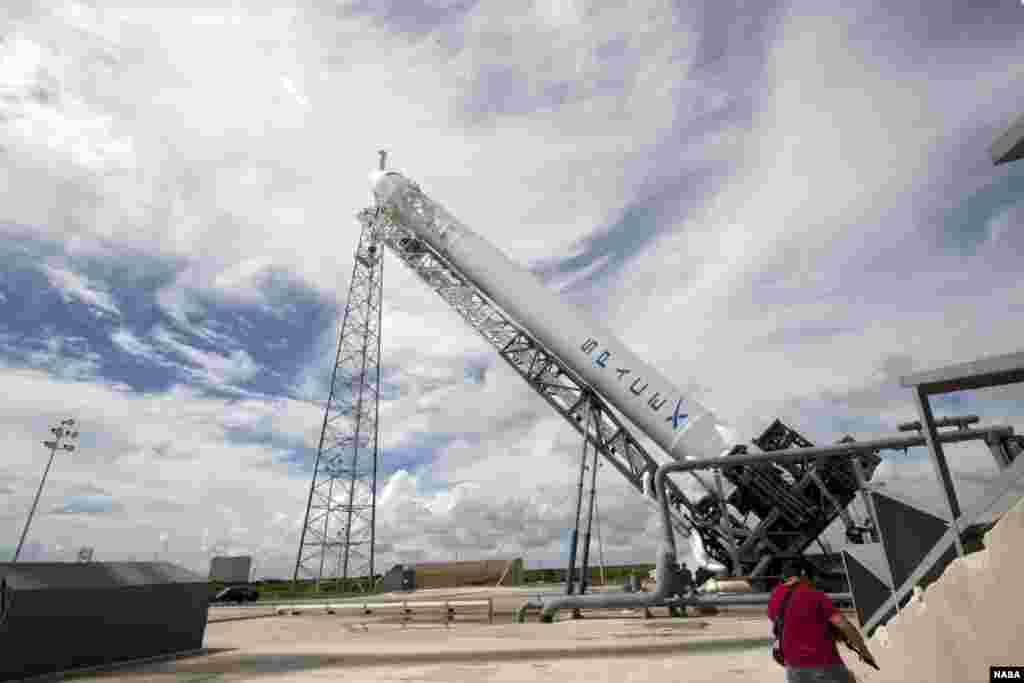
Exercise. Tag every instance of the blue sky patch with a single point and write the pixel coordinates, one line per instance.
(102, 318)
(87, 505)
(966, 225)
(418, 452)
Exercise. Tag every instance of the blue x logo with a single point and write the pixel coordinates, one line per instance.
(676, 417)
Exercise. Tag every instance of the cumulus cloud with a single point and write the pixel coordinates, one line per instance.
(484, 518)
(755, 199)
(156, 462)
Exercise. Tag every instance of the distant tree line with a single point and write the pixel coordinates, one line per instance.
(283, 588)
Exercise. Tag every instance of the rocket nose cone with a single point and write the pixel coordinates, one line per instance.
(385, 184)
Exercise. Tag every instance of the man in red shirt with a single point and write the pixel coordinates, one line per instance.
(808, 648)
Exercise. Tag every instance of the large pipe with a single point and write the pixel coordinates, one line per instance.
(736, 599)
(665, 576)
(851, 448)
(676, 422)
(666, 553)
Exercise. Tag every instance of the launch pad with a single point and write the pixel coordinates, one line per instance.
(766, 503)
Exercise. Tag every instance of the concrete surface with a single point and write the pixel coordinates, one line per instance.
(253, 643)
(250, 647)
(951, 633)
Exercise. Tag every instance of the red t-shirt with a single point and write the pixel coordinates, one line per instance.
(806, 641)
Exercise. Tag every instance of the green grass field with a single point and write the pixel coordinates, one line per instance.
(283, 590)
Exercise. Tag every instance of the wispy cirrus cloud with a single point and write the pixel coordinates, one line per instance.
(73, 286)
(212, 367)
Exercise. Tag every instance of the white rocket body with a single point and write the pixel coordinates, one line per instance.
(701, 556)
(678, 424)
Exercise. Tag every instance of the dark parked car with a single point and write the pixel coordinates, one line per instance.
(238, 594)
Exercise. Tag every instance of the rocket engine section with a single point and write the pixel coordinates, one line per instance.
(677, 423)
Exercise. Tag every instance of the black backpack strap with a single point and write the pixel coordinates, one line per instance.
(779, 620)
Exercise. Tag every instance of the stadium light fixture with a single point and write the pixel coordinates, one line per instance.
(64, 435)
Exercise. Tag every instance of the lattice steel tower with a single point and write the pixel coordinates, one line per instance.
(338, 533)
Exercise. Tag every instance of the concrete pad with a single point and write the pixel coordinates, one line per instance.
(949, 633)
(733, 648)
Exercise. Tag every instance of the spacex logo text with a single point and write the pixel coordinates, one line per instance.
(637, 386)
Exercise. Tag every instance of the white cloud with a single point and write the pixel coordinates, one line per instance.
(235, 142)
(815, 228)
(165, 460)
(214, 368)
(128, 342)
(165, 348)
(76, 286)
(196, 185)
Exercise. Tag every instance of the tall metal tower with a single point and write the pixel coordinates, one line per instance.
(338, 534)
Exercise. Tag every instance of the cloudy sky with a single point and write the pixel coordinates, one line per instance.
(785, 205)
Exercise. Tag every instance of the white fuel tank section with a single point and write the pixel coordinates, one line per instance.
(678, 424)
(701, 555)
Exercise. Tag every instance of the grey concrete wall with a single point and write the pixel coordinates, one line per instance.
(57, 623)
(231, 569)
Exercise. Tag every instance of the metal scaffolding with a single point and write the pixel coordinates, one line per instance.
(338, 533)
(775, 511)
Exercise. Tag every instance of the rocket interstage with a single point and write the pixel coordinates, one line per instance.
(680, 425)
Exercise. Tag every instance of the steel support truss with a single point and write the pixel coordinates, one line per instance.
(339, 531)
(778, 510)
(542, 370)
(727, 536)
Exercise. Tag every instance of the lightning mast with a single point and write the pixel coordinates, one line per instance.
(339, 531)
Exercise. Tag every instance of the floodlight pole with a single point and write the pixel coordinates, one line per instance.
(61, 431)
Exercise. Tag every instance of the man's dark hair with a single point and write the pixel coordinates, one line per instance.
(799, 567)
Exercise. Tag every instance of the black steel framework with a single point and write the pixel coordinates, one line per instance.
(794, 502)
(338, 539)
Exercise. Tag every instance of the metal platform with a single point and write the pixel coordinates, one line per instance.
(916, 546)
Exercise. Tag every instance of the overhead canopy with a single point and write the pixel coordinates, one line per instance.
(978, 374)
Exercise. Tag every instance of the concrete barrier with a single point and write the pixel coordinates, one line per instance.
(64, 616)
